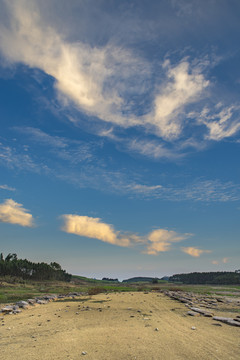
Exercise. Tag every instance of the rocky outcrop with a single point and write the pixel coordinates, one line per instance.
(200, 305)
(45, 299)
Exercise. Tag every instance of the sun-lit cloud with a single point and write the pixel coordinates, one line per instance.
(184, 86)
(6, 187)
(105, 81)
(93, 228)
(195, 252)
(160, 240)
(224, 260)
(13, 213)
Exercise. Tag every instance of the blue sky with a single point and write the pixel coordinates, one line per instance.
(119, 142)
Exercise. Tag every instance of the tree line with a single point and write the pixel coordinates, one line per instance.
(218, 278)
(25, 269)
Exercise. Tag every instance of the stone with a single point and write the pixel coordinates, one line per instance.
(41, 302)
(22, 304)
(193, 313)
(31, 301)
(202, 311)
(226, 320)
(7, 309)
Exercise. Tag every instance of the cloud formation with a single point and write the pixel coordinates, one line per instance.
(183, 87)
(221, 123)
(6, 187)
(110, 81)
(13, 213)
(93, 228)
(217, 262)
(159, 240)
(195, 252)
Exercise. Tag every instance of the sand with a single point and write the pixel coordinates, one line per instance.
(116, 326)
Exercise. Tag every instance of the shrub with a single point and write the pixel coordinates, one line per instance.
(96, 290)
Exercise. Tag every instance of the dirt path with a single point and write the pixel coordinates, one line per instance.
(117, 326)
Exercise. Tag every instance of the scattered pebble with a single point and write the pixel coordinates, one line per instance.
(193, 327)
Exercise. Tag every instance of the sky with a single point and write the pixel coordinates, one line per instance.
(120, 135)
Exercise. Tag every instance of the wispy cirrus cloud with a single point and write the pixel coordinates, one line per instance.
(14, 213)
(153, 149)
(11, 157)
(184, 86)
(110, 82)
(73, 151)
(221, 123)
(6, 187)
(198, 190)
(195, 252)
(168, 98)
(94, 172)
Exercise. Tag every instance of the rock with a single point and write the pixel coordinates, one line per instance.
(22, 304)
(84, 353)
(41, 302)
(7, 309)
(156, 329)
(228, 321)
(193, 313)
(31, 301)
(202, 311)
(193, 328)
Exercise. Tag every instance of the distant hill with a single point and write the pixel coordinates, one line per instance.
(140, 279)
(218, 278)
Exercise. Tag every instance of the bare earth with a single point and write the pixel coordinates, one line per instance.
(118, 326)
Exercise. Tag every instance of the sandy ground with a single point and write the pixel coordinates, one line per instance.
(118, 326)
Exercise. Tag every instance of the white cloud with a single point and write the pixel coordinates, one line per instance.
(92, 77)
(108, 82)
(6, 187)
(93, 228)
(225, 260)
(71, 150)
(194, 251)
(144, 189)
(184, 86)
(220, 124)
(160, 240)
(13, 213)
(15, 158)
(153, 149)
(215, 262)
